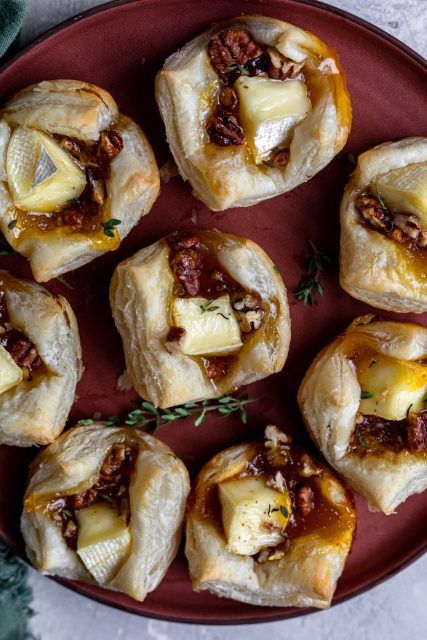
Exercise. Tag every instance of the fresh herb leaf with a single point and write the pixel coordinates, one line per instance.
(151, 417)
(12, 224)
(364, 395)
(276, 269)
(85, 422)
(424, 401)
(268, 164)
(409, 409)
(67, 513)
(373, 361)
(317, 264)
(362, 441)
(207, 306)
(109, 226)
(224, 316)
(106, 497)
(112, 421)
(284, 511)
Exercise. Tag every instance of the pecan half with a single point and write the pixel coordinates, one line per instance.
(225, 130)
(215, 368)
(21, 349)
(84, 499)
(228, 100)
(184, 240)
(110, 144)
(114, 460)
(279, 67)
(232, 47)
(188, 265)
(280, 157)
(417, 431)
(373, 212)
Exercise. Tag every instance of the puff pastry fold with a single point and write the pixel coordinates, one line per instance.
(363, 402)
(200, 314)
(237, 149)
(105, 505)
(75, 175)
(268, 525)
(40, 333)
(384, 229)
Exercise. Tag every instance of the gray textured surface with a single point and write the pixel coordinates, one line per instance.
(394, 610)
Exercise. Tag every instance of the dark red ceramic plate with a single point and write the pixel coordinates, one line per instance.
(121, 47)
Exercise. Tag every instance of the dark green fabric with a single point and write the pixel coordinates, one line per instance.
(11, 18)
(15, 597)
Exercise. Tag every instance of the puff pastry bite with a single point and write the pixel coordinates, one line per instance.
(40, 362)
(200, 314)
(364, 403)
(75, 175)
(253, 107)
(106, 506)
(384, 227)
(269, 525)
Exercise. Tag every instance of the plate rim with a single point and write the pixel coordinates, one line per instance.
(73, 586)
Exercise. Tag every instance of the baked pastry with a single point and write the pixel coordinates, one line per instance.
(269, 525)
(364, 403)
(105, 505)
(75, 175)
(40, 362)
(252, 107)
(384, 227)
(200, 314)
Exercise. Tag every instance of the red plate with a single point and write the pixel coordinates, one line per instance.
(121, 47)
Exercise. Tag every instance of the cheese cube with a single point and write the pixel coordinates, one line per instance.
(253, 514)
(405, 190)
(10, 373)
(392, 386)
(103, 541)
(41, 175)
(211, 328)
(269, 112)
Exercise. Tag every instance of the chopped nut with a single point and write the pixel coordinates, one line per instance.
(305, 500)
(70, 529)
(274, 436)
(250, 320)
(278, 482)
(249, 301)
(309, 467)
(224, 130)
(229, 49)
(373, 212)
(280, 67)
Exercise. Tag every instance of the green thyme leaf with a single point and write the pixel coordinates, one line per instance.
(109, 225)
(373, 361)
(276, 269)
(316, 265)
(12, 224)
(284, 511)
(364, 395)
(424, 401)
(362, 441)
(85, 422)
(67, 513)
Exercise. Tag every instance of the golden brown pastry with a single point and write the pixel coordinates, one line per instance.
(40, 362)
(253, 107)
(105, 505)
(75, 175)
(364, 403)
(200, 314)
(269, 525)
(384, 227)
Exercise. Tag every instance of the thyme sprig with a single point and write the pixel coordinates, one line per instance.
(207, 306)
(150, 417)
(316, 265)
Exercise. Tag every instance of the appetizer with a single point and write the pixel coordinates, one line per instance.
(253, 107)
(75, 175)
(200, 315)
(269, 525)
(105, 505)
(40, 362)
(364, 403)
(384, 227)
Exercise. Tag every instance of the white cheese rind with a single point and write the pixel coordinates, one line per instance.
(405, 190)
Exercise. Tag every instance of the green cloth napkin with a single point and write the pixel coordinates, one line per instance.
(11, 18)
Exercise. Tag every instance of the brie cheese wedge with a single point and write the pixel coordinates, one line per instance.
(103, 541)
(405, 190)
(254, 515)
(41, 175)
(10, 372)
(211, 328)
(269, 112)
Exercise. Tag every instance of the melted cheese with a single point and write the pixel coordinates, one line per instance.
(269, 111)
(394, 386)
(41, 175)
(405, 190)
(103, 541)
(10, 373)
(253, 514)
(210, 327)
